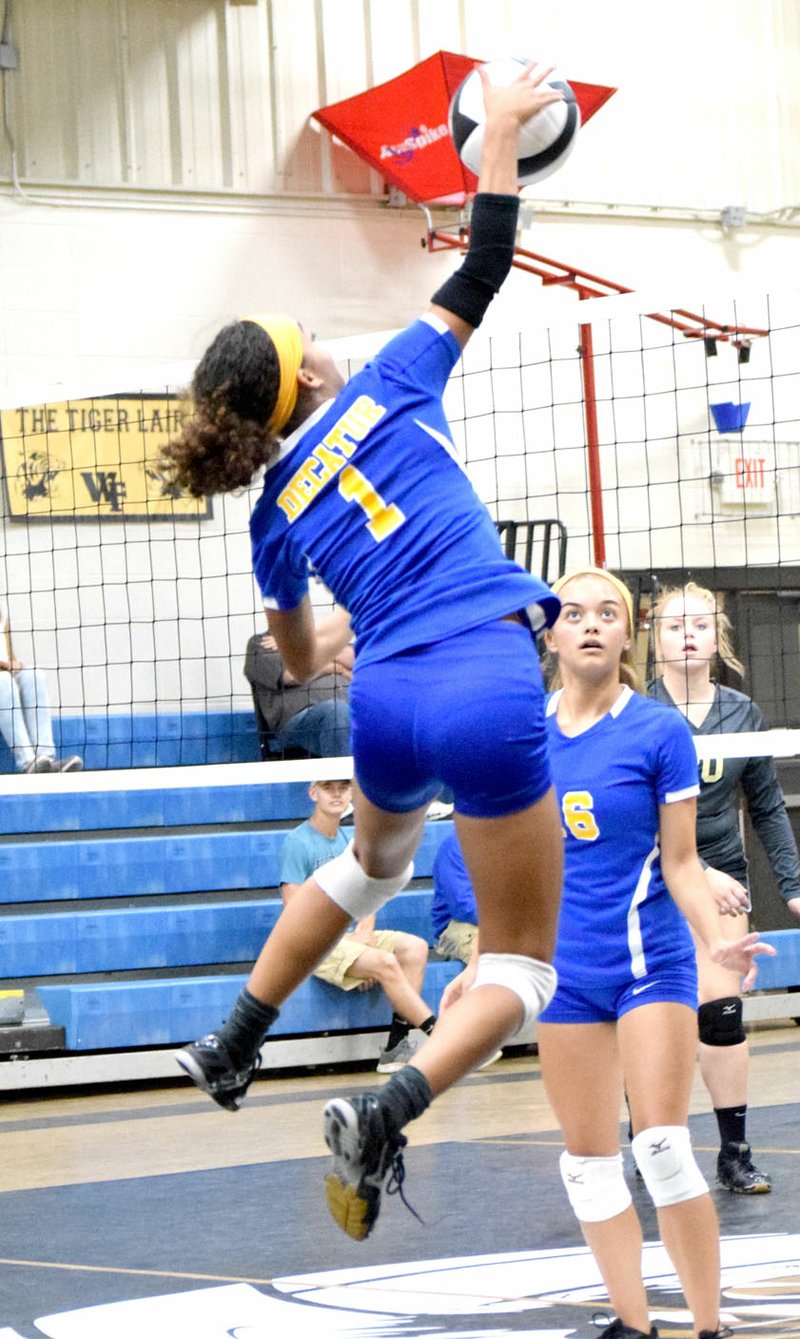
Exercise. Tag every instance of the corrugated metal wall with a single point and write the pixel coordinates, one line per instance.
(215, 95)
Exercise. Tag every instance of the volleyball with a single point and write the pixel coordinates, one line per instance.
(545, 141)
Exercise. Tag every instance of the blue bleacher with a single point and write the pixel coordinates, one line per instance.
(166, 1013)
(140, 866)
(169, 869)
(783, 970)
(153, 739)
(193, 806)
(173, 917)
(135, 938)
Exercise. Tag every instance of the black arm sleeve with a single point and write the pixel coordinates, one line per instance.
(492, 238)
(768, 814)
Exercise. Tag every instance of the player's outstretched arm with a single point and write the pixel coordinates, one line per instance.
(463, 299)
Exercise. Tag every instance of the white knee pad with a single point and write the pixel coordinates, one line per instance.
(664, 1157)
(355, 892)
(596, 1187)
(533, 981)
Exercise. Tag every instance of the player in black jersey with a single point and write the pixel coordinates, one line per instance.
(691, 631)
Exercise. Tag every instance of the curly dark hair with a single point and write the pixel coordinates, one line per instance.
(234, 390)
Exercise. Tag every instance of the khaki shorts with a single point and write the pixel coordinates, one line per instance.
(336, 967)
(456, 941)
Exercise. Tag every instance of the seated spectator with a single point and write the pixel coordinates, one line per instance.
(365, 957)
(453, 911)
(25, 720)
(311, 717)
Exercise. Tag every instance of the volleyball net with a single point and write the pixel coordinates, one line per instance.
(617, 432)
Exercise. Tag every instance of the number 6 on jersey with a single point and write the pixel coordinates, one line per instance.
(577, 806)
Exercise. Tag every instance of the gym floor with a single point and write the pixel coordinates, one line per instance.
(154, 1212)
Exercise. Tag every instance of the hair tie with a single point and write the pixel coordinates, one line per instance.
(285, 335)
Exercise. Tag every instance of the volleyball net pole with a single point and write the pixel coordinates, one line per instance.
(586, 351)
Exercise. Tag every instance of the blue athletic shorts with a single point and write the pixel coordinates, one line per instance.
(466, 712)
(674, 983)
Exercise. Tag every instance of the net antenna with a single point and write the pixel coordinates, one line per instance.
(417, 157)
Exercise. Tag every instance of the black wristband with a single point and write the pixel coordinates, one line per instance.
(492, 238)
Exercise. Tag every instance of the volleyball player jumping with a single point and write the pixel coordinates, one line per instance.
(363, 482)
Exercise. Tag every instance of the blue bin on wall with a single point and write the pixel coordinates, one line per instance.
(730, 417)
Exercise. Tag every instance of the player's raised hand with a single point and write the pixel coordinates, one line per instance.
(523, 97)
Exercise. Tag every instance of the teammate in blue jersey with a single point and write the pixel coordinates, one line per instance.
(692, 635)
(364, 483)
(624, 1012)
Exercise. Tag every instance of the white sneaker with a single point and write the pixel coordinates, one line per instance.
(390, 1061)
(493, 1059)
(73, 764)
(39, 764)
(438, 809)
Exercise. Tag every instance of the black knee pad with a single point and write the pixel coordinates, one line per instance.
(720, 1022)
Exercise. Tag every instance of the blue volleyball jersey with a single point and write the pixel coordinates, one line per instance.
(453, 898)
(618, 921)
(370, 493)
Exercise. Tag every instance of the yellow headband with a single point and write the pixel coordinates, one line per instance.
(285, 335)
(607, 576)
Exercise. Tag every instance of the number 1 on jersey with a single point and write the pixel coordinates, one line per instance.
(382, 518)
